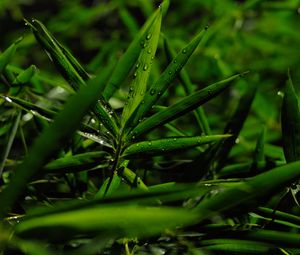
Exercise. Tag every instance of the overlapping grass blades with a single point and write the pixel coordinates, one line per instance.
(73, 72)
(156, 90)
(167, 145)
(182, 107)
(290, 123)
(142, 70)
(50, 140)
(128, 60)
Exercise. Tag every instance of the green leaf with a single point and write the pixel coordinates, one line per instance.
(142, 70)
(76, 163)
(166, 145)
(25, 76)
(10, 142)
(108, 187)
(131, 55)
(7, 55)
(126, 221)
(248, 194)
(188, 88)
(52, 138)
(290, 123)
(164, 81)
(71, 70)
(182, 107)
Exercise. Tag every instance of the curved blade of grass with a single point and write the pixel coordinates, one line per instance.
(50, 140)
(259, 152)
(248, 194)
(131, 55)
(76, 163)
(166, 145)
(7, 55)
(132, 178)
(10, 142)
(272, 213)
(109, 186)
(188, 88)
(182, 107)
(161, 85)
(142, 71)
(236, 246)
(234, 126)
(68, 66)
(25, 76)
(290, 123)
(126, 221)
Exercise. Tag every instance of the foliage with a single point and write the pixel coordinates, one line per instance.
(159, 143)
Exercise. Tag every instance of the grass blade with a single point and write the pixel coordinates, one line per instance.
(131, 55)
(6, 56)
(142, 71)
(10, 142)
(166, 145)
(76, 163)
(290, 123)
(68, 66)
(63, 127)
(182, 107)
(126, 221)
(161, 85)
(188, 88)
(248, 194)
(25, 76)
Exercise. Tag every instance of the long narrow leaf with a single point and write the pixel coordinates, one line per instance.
(63, 127)
(250, 193)
(182, 107)
(6, 56)
(131, 55)
(161, 85)
(127, 221)
(290, 123)
(166, 145)
(188, 88)
(142, 71)
(68, 67)
(76, 163)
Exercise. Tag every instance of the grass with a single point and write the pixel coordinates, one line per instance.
(132, 157)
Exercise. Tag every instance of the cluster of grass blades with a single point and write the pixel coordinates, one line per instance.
(94, 157)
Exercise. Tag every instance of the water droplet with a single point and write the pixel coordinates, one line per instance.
(135, 75)
(280, 93)
(170, 72)
(298, 10)
(152, 58)
(137, 65)
(143, 101)
(149, 51)
(145, 67)
(174, 139)
(152, 92)
(8, 99)
(184, 51)
(163, 149)
(138, 145)
(174, 61)
(26, 24)
(209, 92)
(159, 93)
(32, 20)
(206, 27)
(237, 140)
(150, 143)
(142, 43)
(130, 89)
(148, 36)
